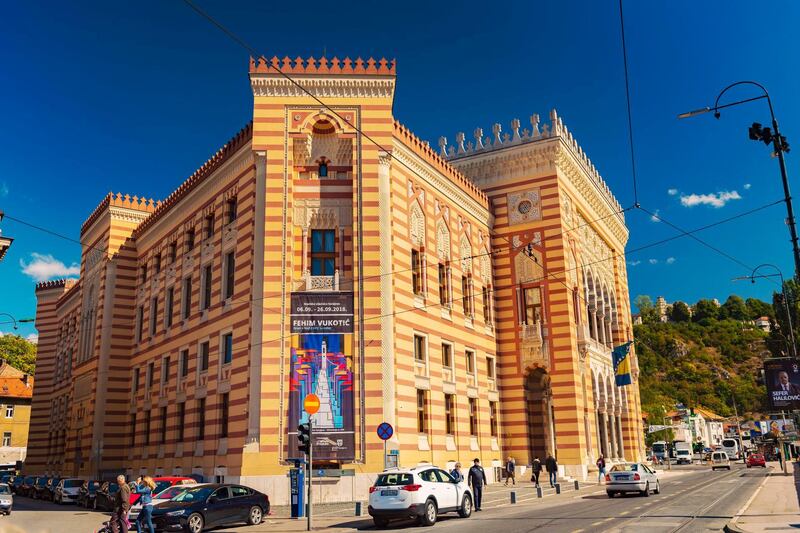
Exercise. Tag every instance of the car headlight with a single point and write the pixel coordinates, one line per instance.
(176, 513)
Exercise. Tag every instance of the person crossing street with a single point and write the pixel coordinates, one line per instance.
(551, 466)
(511, 468)
(477, 479)
(536, 469)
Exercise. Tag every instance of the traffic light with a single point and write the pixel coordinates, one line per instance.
(304, 436)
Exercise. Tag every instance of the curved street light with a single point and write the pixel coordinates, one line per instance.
(17, 322)
(752, 277)
(767, 136)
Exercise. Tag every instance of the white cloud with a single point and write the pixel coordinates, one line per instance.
(670, 260)
(652, 261)
(654, 217)
(634, 263)
(672, 192)
(44, 267)
(715, 200)
(746, 186)
(33, 337)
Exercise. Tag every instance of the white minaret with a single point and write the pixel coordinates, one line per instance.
(324, 417)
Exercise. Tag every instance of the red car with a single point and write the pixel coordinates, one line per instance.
(164, 483)
(756, 459)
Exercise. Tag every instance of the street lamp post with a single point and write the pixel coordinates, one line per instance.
(15, 321)
(779, 144)
(752, 277)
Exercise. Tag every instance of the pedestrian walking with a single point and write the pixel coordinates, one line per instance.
(144, 487)
(536, 468)
(601, 469)
(457, 474)
(552, 468)
(122, 504)
(477, 479)
(511, 468)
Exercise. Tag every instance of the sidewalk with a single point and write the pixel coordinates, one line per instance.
(774, 506)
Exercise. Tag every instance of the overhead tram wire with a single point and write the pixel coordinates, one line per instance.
(628, 102)
(55, 233)
(543, 278)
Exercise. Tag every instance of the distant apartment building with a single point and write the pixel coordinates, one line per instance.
(16, 390)
(471, 298)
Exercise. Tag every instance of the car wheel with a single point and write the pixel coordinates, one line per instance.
(466, 507)
(428, 517)
(195, 523)
(610, 493)
(380, 522)
(255, 516)
(646, 491)
(658, 488)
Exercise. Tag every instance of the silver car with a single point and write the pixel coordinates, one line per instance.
(632, 477)
(6, 499)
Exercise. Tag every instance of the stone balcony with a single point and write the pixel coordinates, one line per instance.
(311, 283)
(588, 345)
(533, 345)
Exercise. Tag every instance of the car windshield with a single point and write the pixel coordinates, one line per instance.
(161, 485)
(4, 489)
(193, 495)
(625, 468)
(658, 447)
(170, 492)
(72, 483)
(42, 481)
(387, 480)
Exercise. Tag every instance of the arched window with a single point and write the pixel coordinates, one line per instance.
(323, 170)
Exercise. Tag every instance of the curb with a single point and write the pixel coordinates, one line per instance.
(730, 527)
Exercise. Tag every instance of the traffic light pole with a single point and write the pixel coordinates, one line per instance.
(778, 144)
(308, 468)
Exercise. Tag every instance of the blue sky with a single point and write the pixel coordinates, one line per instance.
(134, 96)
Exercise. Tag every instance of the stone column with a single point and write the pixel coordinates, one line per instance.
(341, 249)
(613, 434)
(610, 335)
(601, 333)
(621, 437)
(593, 323)
(599, 428)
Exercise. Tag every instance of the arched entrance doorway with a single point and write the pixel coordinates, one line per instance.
(541, 420)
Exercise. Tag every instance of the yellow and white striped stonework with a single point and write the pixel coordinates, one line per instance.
(433, 246)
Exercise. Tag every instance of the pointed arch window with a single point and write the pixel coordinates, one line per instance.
(323, 170)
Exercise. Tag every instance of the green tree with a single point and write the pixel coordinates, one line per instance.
(734, 308)
(705, 310)
(646, 308)
(757, 308)
(18, 352)
(680, 312)
(779, 337)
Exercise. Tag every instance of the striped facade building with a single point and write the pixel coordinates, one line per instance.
(478, 290)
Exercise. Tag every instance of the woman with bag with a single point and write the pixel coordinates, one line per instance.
(145, 487)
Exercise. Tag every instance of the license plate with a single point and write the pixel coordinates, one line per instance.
(622, 477)
(388, 493)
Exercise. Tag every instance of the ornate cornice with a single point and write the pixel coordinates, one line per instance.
(405, 156)
(322, 87)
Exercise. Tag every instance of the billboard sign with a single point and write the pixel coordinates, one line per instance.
(322, 312)
(323, 365)
(782, 377)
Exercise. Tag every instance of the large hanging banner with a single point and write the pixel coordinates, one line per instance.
(322, 363)
(782, 377)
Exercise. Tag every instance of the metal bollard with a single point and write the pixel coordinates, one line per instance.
(513, 496)
(538, 492)
(558, 488)
(577, 486)
(358, 509)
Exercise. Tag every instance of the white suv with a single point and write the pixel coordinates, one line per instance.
(421, 492)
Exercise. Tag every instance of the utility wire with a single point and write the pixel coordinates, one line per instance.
(628, 102)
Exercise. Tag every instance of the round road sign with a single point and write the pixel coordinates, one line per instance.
(385, 431)
(311, 404)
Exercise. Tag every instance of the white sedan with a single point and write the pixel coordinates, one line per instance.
(163, 496)
(632, 477)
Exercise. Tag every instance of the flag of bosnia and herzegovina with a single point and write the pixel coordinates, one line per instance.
(622, 364)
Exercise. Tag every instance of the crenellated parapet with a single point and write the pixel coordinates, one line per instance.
(322, 65)
(125, 201)
(537, 132)
(54, 284)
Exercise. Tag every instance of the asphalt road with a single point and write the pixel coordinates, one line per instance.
(699, 500)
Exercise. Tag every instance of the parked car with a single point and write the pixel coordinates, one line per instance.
(6, 499)
(421, 493)
(50, 489)
(26, 488)
(6, 477)
(163, 482)
(161, 497)
(632, 477)
(16, 483)
(39, 487)
(67, 490)
(87, 492)
(720, 460)
(212, 505)
(756, 459)
(104, 497)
